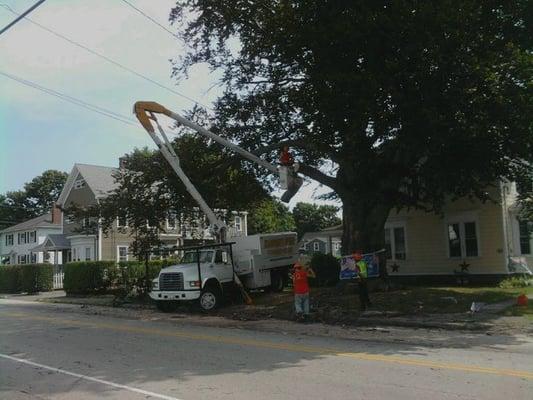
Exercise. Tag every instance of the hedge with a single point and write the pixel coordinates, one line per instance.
(101, 276)
(10, 279)
(29, 278)
(89, 276)
(327, 269)
(37, 278)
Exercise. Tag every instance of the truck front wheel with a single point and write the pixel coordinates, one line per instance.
(209, 298)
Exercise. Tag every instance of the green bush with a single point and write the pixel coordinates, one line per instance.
(131, 276)
(516, 282)
(327, 269)
(89, 276)
(10, 279)
(37, 278)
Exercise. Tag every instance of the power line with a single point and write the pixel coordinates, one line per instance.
(109, 60)
(29, 10)
(73, 100)
(150, 18)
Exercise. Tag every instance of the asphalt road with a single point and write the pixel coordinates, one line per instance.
(49, 353)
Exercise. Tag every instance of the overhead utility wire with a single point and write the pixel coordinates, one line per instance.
(109, 60)
(151, 19)
(73, 100)
(20, 16)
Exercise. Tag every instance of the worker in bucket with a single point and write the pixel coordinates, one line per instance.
(362, 274)
(286, 159)
(300, 282)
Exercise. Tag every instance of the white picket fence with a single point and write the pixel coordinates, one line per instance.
(58, 276)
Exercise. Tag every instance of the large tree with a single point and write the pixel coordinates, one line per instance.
(391, 104)
(270, 216)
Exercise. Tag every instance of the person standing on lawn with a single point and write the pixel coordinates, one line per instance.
(362, 274)
(301, 289)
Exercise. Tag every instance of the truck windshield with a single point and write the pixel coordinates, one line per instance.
(206, 256)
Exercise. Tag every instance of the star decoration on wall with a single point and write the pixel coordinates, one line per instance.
(395, 267)
(464, 266)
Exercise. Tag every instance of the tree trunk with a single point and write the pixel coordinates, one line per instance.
(364, 215)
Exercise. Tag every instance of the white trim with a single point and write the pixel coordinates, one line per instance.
(397, 223)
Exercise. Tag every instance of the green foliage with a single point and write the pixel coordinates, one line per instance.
(516, 282)
(327, 269)
(10, 279)
(311, 217)
(89, 276)
(37, 278)
(270, 216)
(132, 275)
(373, 97)
(36, 198)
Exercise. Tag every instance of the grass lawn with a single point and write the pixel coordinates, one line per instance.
(521, 311)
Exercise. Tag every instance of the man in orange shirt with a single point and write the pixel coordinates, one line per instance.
(301, 290)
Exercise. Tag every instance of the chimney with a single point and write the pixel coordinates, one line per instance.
(123, 162)
(56, 214)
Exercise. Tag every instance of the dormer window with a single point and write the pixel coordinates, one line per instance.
(79, 184)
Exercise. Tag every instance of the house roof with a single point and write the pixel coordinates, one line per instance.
(43, 221)
(53, 242)
(98, 178)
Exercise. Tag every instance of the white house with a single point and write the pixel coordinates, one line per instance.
(18, 243)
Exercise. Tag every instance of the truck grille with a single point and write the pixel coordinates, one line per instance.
(171, 281)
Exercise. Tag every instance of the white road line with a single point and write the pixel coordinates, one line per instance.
(89, 378)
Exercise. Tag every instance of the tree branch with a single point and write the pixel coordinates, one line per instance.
(318, 176)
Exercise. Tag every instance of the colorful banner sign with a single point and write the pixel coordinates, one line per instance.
(349, 270)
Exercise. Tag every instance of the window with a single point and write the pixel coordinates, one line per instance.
(122, 253)
(32, 237)
(337, 246)
(85, 222)
(316, 246)
(22, 259)
(122, 221)
(87, 254)
(9, 240)
(33, 258)
(22, 238)
(238, 224)
(462, 239)
(171, 221)
(79, 183)
(395, 246)
(525, 228)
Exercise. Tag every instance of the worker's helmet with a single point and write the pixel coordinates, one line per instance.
(357, 256)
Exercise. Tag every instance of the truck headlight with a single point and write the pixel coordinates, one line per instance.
(194, 283)
(155, 285)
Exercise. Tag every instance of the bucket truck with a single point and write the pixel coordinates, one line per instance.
(207, 273)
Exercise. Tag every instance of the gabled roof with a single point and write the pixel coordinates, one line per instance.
(53, 242)
(43, 221)
(98, 178)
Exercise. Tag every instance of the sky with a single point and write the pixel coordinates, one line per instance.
(40, 132)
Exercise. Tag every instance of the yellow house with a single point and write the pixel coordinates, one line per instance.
(470, 236)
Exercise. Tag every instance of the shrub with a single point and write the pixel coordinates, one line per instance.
(327, 269)
(89, 276)
(131, 275)
(37, 278)
(10, 279)
(516, 282)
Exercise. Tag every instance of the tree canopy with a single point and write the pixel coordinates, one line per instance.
(35, 199)
(270, 216)
(311, 217)
(390, 104)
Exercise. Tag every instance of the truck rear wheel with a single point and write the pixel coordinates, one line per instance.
(209, 298)
(277, 281)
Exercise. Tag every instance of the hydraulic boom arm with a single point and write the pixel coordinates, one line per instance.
(145, 112)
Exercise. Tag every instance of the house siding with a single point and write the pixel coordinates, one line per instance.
(427, 242)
